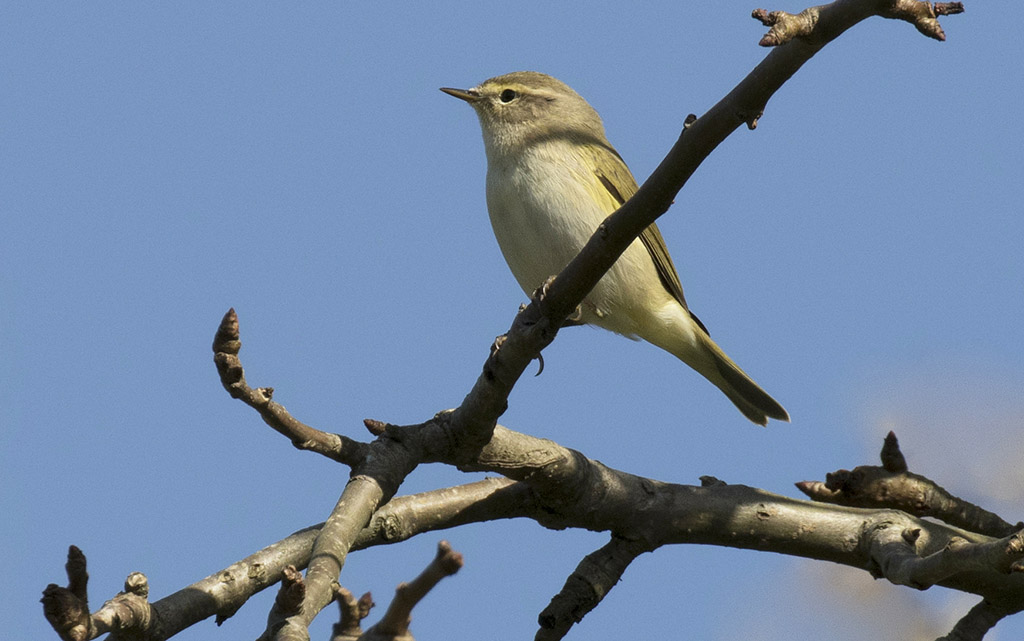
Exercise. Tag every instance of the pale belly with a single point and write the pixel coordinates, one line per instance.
(540, 230)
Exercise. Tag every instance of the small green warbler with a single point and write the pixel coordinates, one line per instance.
(552, 178)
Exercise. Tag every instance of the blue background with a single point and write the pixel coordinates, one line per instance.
(859, 254)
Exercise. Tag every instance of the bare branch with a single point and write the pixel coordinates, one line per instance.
(224, 592)
(892, 457)
(923, 15)
(394, 626)
(895, 556)
(226, 346)
(574, 491)
(647, 514)
(290, 594)
(360, 499)
(893, 486)
(785, 27)
(592, 579)
(486, 500)
(352, 614)
(374, 480)
(67, 609)
(976, 623)
(578, 492)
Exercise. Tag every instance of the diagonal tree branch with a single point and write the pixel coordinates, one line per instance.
(360, 499)
(394, 625)
(583, 591)
(536, 325)
(976, 623)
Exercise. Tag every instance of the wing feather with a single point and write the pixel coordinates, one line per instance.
(620, 183)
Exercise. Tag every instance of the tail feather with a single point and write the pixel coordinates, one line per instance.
(746, 395)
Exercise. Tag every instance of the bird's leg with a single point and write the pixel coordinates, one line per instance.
(574, 319)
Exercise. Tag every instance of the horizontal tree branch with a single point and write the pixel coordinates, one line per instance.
(562, 488)
(222, 593)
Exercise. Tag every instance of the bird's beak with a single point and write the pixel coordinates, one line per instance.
(469, 95)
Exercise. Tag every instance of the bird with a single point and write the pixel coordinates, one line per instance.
(552, 178)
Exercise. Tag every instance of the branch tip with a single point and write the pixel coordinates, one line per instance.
(784, 27)
(365, 605)
(352, 613)
(449, 561)
(892, 458)
(66, 613)
(396, 619)
(76, 569)
(290, 593)
(67, 609)
(136, 583)
(226, 340)
(838, 480)
(948, 8)
(923, 15)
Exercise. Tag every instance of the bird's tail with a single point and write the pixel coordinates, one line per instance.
(746, 395)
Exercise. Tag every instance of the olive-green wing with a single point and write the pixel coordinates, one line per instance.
(620, 183)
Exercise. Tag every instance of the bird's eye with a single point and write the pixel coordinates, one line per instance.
(508, 95)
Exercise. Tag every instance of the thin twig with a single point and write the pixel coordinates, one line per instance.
(395, 622)
(226, 347)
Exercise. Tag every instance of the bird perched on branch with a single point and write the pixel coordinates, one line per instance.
(552, 178)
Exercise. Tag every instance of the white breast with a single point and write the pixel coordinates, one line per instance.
(543, 212)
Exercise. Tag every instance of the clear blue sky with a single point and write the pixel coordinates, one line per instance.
(859, 254)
